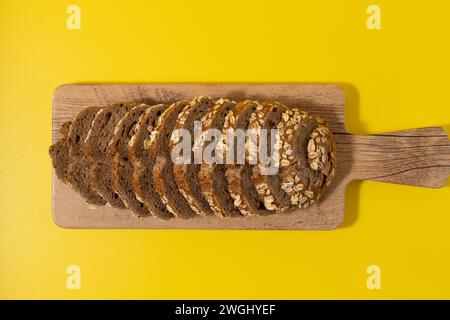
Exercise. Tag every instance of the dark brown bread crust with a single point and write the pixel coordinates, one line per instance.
(59, 153)
(211, 177)
(122, 168)
(162, 171)
(96, 150)
(143, 162)
(186, 175)
(78, 176)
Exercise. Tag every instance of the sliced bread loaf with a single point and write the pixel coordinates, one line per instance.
(143, 162)
(96, 149)
(121, 165)
(124, 155)
(78, 176)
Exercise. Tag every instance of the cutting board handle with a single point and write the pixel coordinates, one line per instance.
(417, 157)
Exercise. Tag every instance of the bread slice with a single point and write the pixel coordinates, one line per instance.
(96, 149)
(59, 152)
(268, 186)
(186, 175)
(78, 176)
(241, 187)
(121, 165)
(143, 163)
(213, 183)
(162, 172)
(308, 150)
(303, 175)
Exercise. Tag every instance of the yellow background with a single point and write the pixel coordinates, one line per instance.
(394, 78)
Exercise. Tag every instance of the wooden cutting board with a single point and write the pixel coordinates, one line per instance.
(419, 157)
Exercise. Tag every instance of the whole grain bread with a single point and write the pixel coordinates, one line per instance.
(241, 187)
(268, 186)
(309, 151)
(143, 162)
(121, 165)
(211, 176)
(162, 172)
(122, 155)
(96, 150)
(186, 175)
(78, 176)
(59, 152)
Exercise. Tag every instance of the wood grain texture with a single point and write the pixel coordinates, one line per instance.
(419, 157)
